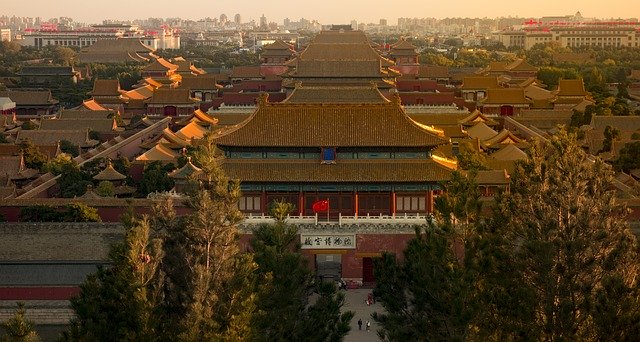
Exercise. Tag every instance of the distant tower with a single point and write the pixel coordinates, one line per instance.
(354, 24)
(383, 22)
(223, 19)
(263, 22)
(578, 16)
(237, 19)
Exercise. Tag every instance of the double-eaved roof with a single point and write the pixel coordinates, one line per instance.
(336, 94)
(335, 54)
(352, 171)
(329, 124)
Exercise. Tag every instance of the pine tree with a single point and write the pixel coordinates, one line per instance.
(285, 286)
(557, 260)
(117, 302)
(425, 296)
(218, 288)
(18, 328)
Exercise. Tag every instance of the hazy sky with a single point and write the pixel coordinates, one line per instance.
(326, 11)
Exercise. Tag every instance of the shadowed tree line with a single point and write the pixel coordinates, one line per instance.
(185, 278)
(552, 259)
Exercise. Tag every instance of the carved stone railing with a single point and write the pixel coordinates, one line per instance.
(321, 221)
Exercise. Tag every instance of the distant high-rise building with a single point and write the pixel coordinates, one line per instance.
(287, 22)
(354, 24)
(5, 35)
(237, 19)
(223, 19)
(263, 22)
(383, 22)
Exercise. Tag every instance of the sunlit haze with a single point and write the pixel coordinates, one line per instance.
(325, 11)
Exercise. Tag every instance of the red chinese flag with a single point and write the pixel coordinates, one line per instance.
(320, 206)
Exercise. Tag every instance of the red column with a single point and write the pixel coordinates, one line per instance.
(430, 201)
(393, 203)
(301, 203)
(263, 203)
(355, 203)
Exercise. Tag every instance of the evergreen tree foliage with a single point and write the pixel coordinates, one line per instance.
(80, 212)
(629, 157)
(470, 158)
(18, 328)
(610, 135)
(556, 260)
(459, 208)
(105, 189)
(155, 178)
(429, 295)
(425, 296)
(285, 286)
(221, 297)
(117, 302)
(68, 147)
(33, 158)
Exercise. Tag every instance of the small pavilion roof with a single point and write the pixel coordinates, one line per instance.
(186, 67)
(141, 93)
(521, 65)
(187, 171)
(481, 131)
(109, 174)
(509, 152)
(199, 117)
(476, 117)
(534, 92)
(173, 139)
(192, 131)
(504, 137)
(492, 177)
(162, 65)
(91, 105)
(159, 153)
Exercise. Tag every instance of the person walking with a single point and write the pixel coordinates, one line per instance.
(360, 324)
(368, 326)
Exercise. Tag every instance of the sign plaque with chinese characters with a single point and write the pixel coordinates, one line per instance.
(325, 241)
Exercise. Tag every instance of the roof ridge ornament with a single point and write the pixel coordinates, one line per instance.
(395, 99)
(263, 98)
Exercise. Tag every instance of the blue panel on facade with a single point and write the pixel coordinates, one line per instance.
(329, 154)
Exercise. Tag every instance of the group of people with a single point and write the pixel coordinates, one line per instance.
(367, 325)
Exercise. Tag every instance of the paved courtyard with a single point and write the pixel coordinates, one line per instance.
(356, 302)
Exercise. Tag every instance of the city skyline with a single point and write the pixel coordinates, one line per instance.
(327, 12)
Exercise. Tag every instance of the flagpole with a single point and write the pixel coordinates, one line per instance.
(328, 209)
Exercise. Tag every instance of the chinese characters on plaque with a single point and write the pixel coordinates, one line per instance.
(327, 241)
